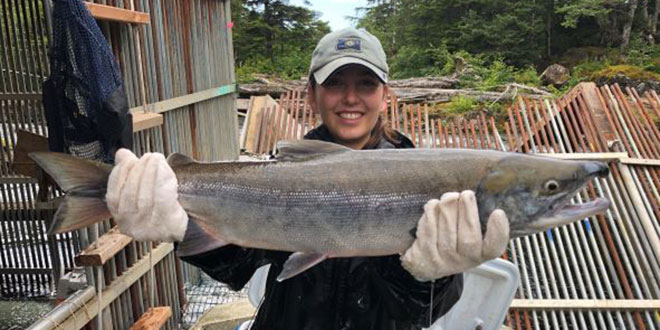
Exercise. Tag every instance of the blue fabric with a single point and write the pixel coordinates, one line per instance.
(80, 49)
(84, 97)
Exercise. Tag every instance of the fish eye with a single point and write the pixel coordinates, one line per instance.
(551, 186)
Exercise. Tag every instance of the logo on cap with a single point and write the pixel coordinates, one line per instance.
(349, 44)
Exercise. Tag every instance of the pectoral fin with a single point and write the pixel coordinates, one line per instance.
(197, 240)
(299, 262)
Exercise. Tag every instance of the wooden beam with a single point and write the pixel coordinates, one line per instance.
(20, 96)
(242, 104)
(641, 161)
(15, 271)
(112, 13)
(89, 310)
(585, 304)
(185, 100)
(251, 127)
(640, 207)
(17, 179)
(105, 247)
(27, 142)
(590, 93)
(153, 318)
(604, 156)
(145, 120)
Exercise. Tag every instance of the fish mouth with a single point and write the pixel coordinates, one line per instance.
(571, 212)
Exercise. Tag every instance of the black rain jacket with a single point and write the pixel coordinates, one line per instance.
(341, 293)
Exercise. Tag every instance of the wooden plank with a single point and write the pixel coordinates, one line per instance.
(244, 128)
(20, 96)
(89, 310)
(640, 161)
(17, 179)
(242, 104)
(153, 318)
(27, 142)
(640, 207)
(585, 304)
(604, 156)
(589, 92)
(185, 100)
(250, 139)
(18, 271)
(115, 14)
(104, 248)
(145, 120)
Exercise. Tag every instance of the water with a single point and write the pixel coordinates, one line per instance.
(20, 314)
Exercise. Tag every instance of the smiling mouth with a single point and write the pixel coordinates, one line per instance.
(349, 115)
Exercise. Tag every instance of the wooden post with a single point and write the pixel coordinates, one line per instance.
(105, 248)
(111, 13)
(153, 318)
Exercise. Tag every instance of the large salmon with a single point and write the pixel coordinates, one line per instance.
(323, 200)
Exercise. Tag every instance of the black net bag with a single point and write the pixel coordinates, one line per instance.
(84, 97)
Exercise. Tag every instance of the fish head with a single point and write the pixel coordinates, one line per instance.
(535, 192)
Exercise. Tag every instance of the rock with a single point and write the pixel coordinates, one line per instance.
(556, 75)
(641, 86)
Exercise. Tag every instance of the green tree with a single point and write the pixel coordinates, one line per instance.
(272, 36)
(513, 29)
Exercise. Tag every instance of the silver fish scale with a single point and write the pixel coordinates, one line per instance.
(312, 219)
(343, 204)
(301, 198)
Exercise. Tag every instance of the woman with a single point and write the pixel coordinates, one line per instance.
(348, 87)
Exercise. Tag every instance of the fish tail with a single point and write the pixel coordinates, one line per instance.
(84, 182)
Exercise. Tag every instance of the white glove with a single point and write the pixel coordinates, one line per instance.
(142, 198)
(449, 239)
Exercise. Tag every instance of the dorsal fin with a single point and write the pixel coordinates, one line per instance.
(177, 159)
(300, 150)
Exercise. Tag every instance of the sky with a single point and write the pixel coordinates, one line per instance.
(334, 11)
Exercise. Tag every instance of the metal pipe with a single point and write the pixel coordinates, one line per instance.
(64, 310)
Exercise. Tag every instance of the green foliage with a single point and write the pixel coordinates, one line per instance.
(643, 55)
(460, 105)
(485, 43)
(273, 37)
(412, 61)
(466, 107)
(642, 62)
(491, 73)
(630, 71)
(496, 74)
(527, 76)
(573, 11)
(291, 65)
(495, 28)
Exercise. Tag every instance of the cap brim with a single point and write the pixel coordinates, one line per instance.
(323, 73)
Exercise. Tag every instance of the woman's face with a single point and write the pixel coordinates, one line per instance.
(349, 102)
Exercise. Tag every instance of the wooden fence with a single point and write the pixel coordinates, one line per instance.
(176, 58)
(599, 273)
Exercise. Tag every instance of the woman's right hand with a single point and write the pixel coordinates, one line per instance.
(142, 198)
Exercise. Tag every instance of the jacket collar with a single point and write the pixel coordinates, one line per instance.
(322, 133)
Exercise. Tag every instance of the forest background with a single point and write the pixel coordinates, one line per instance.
(484, 44)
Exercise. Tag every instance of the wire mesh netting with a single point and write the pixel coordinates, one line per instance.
(203, 296)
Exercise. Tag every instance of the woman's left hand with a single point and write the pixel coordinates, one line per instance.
(449, 239)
